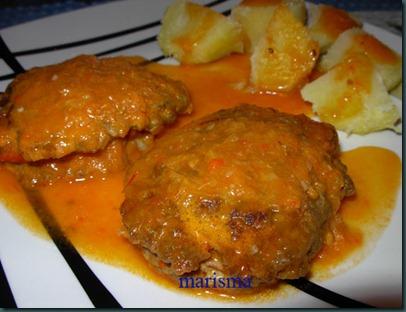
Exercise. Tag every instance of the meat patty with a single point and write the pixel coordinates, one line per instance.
(80, 105)
(246, 191)
(74, 167)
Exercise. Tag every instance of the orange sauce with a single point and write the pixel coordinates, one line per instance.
(89, 214)
(13, 197)
(88, 211)
(376, 50)
(356, 74)
(376, 173)
(335, 21)
(224, 84)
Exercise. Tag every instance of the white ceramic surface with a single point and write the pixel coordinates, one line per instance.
(37, 273)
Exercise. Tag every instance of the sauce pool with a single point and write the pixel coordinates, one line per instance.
(88, 211)
(224, 84)
(376, 174)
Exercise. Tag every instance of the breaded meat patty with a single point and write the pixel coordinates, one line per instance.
(246, 191)
(81, 105)
(72, 121)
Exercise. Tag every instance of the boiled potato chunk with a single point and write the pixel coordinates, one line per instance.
(285, 55)
(387, 62)
(255, 15)
(298, 8)
(326, 23)
(196, 34)
(352, 97)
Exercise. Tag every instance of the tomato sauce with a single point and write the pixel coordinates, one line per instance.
(88, 211)
(376, 173)
(335, 21)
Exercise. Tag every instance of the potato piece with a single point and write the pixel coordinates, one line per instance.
(352, 97)
(196, 34)
(388, 62)
(326, 23)
(254, 17)
(298, 8)
(397, 91)
(285, 55)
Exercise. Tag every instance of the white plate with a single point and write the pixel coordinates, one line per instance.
(37, 273)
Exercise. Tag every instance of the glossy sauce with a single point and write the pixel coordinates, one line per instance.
(224, 84)
(334, 21)
(376, 173)
(376, 50)
(353, 78)
(93, 100)
(88, 211)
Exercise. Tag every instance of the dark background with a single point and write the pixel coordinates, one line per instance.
(14, 12)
